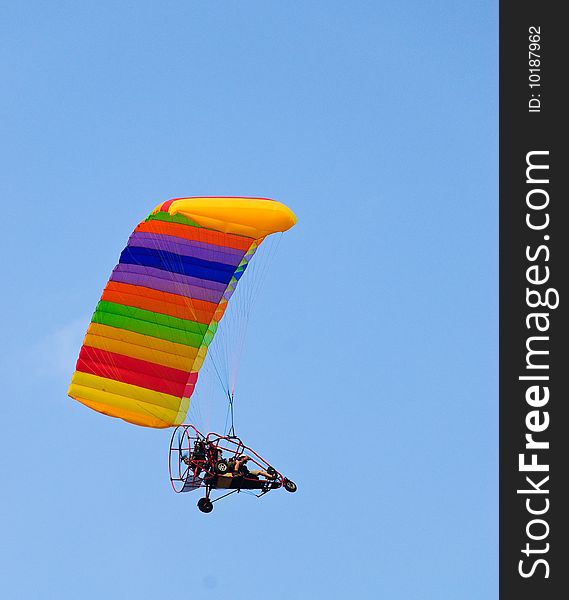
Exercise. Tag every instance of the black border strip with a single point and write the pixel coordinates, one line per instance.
(533, 258)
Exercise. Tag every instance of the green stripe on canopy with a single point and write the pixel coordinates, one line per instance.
(196, 340)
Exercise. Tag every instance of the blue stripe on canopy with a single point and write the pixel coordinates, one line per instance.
(176, 263)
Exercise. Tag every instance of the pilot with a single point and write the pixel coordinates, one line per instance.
(240, 468)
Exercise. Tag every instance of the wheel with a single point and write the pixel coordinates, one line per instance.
(205, 505)
(290, 486)
(272, 472)
(221, 467)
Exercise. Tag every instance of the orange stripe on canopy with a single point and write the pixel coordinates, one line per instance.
(164, 303)
(197, 234)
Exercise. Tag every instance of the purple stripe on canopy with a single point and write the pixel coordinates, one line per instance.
(228, 293)
(168, 243)
(173, 283)
(207, 284)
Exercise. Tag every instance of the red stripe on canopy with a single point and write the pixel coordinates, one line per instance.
(134, 371)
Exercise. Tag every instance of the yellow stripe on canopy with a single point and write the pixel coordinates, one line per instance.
(139, 339)
(251, 217)
(128, 392)
(135, 411)
(165, 359)
(131, 417)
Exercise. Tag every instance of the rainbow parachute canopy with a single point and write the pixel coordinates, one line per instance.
(160, 310)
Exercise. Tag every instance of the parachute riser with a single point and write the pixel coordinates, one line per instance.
(231, 430)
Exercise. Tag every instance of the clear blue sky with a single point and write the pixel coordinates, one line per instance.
(370, 371)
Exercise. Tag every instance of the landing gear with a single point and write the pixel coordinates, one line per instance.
(205, 505)
(289, 485)
(221, 467)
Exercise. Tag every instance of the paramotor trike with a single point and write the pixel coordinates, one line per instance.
(209, 461)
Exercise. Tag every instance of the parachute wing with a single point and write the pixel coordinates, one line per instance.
(160, 310)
